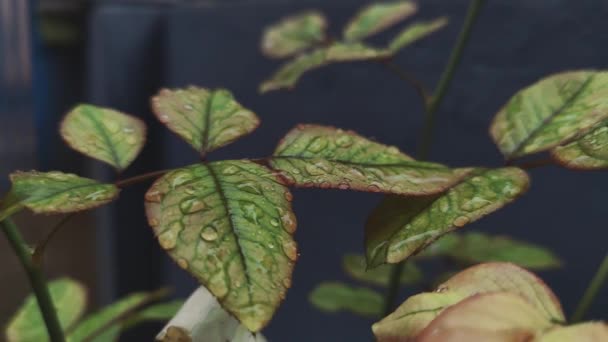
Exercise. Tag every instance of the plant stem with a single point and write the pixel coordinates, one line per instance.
(37, 280)
(139, 178)
(409, 78)
(429, 123)
(600, 277)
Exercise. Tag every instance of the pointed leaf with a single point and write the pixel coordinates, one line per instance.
(104, 134)
(550, 112)
(584, 332)
(353, 52)
(414, 315)
(497, 277)
(229, 224)
(55, 192)
(492, 317)
(335, 297)
(355, 265)
(415, 32)
(205, 119)
(378, 17)
(158, 312)
(69, 298)
(402, 226)
(294, 34)
(589, 152)
(325, 157)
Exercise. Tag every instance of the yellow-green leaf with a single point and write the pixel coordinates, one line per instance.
(584, 332)
(104, 134)
(325, 157)
(352, 52)
(294, 34)
(356, 266)
(335, 297)
(55, 192)
(205, 119)
(402, 226)
(415, 32)
(411, 317)
(491, 317)
(551, 112)
(69, 298)
(589, 152)
(229, 224)
(378, 17)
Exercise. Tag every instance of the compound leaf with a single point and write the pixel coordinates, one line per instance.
(335, 297)
(402, 226)
(55, 192)
(229, 224)
(325, 157)
(69, 298)
(104, 134)
(294, 34)
(205, 119)
(356, 266)
(551, 112)
(415, 32)
(376, 18)
(589, 152)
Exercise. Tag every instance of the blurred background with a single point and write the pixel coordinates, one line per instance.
(57, 53)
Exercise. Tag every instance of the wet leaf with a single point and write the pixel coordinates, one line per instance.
(69, 298)
(55, 192)
(403, 226)
(551, 112)
(415, 32)
(335, 297)
(325, 157)
(589, 152)
(294, 34)
(497, 277)
(230, 225)
(378, 17)
(205, 119)
(497, 316)
(584, 332)
(355, 265)
(411, 317)
(104, 134)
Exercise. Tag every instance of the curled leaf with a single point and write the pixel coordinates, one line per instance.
(230, 225)
(415, 32)
(104, 134)
(294, 34)
(403, 226)
(356, 266)
(589, 152)
(325, 157)
(205, 119)
(378, 17)
(336, 297)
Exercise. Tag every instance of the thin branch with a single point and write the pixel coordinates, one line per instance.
(535, 164)
(140, 178)
(598, 281)
(40, 248)
(420, 88)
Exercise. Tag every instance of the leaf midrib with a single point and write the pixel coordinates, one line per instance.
(410, 163)
(104, 136)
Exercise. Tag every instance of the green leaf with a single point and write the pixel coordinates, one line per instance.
(229, 224)
(414, 315)
(498, 316)
(584, 332)
(355, 265)
(105, 324)
(294, 34)
(335, 297)
(104, 134)
(589, 152)
(403, 226)
(205, 119)
(443, 246)
(551, 112)
(159, 312)
(54, 192)
(69, 298)
(415, 32)
(353, 52)
(325, 157)
(377, 17)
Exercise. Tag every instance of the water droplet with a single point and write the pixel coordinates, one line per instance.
(392, 150)
(131, 140)
(288, 196)
(343, 186)
(236, 284)
(356, 172)
(344, 140)
(164, 118)
(249, 187)
(314, 170)
(190, 190)
(290, 250)
(317, 145)
(475, 203)
(128, 129)
(230, 170)
(111, 126)
(191, 205)
(183, 263)
(188, 106)
(271, 246)
(168, 239)
(373, 188)
(252, 212)
(461, 221)
(289, 223)
(274, 223)
(153, 196)
(180, 178)
(209, 233)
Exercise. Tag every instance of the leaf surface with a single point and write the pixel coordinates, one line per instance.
(377, 17)
(294, 34)
(415, 32)
(584, 332)
(205, 119)
(104, 134)
(551, 112)
(229, 224)
(402, 226)
(325, 157)
(335, 297)
(589, 152)
(355, 265)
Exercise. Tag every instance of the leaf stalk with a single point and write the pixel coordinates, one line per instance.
(596, 284)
